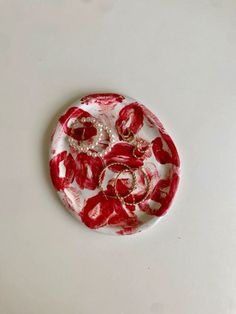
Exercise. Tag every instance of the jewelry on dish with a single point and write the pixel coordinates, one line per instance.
(134, 184)
(83, 145)
(129, 136)
(147, 191)
(139, 148)
(89, 149)
(127, 169)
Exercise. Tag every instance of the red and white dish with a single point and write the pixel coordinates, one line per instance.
(75, 175)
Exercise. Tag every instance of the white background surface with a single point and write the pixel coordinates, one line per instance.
(179, 59)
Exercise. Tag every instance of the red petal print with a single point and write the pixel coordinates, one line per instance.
(171, 145)
(143, 150)
(100, 211)
(151, 170)
(87, 171)
(102, 99)
(123, 187)
(69, 164)
(121, 218)
(163, 194)
(71, 197)
(141, 181)
(96, 211)
(85, 132)
(130, 118)
(141, 190)
(127, 231)
(123, 153)
(74, 112)
(162, 155)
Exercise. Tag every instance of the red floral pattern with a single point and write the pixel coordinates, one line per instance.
(73, 112)
(162, 195)
(130, 118)
(62, 182)
(162, 155)
(100, 211)
(76, 175)
(87, 171)
(102, 99)
(85, 132)
(123, 153)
